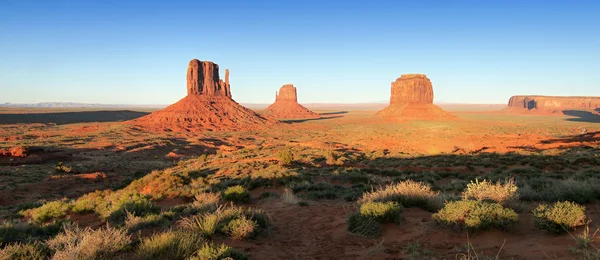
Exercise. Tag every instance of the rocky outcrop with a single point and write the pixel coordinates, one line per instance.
(552, 104)
(412, 89)
(286, 105)
(412, 98)
(203, 79)
(207, 107)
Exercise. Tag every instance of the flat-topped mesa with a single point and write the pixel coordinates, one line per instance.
(287, 93)
(412, 98)
(203, 79)
(552, 103)
(412, 89)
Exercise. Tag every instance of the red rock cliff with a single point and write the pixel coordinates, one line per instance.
(553, 103)
(203, 79)
(412, 89)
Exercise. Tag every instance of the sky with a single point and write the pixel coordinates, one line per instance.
(137, 52)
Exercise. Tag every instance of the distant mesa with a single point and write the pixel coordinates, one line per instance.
(412, 98)
(286, 105)
(551, 104)
(207, 107)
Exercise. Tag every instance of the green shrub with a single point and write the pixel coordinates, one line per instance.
(49, 211)
(134, 223)
(475, 215)
(206, 224)
(382, 211)
(210, 251)
(560, 216)
(24, 232)
(364, 226)
(176, 245)
(285, 156)
(241, 228)
(31, 251)
(503, 193)
(61, 168)
(408, 193)
(237, 193)
(76, 243)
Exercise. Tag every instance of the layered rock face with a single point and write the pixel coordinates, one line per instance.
(286, 105)
(552, 104)
(203, 79)
(412, 97)
(207, 107)
(412, 89)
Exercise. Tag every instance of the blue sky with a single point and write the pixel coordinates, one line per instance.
(136, 52)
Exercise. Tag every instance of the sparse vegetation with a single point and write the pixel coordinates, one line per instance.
(237, 193)
(502, 193)
(176, 245)
(285, 156)
(559, 217)
(31, 251)
(475, 215)
(76, 243)
(408, 193)
(50, 211)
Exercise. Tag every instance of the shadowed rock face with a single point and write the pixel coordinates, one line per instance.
(203, 79)
(553, 103)
(412, 89)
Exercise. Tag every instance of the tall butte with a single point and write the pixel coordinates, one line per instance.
(208, 106)
(412, 98)
(286, 105)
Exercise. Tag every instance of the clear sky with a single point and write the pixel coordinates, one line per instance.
(136, 52)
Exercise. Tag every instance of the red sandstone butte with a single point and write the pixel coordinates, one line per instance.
(412, 98)
(207, 107)
(552, 104)
(286, 105)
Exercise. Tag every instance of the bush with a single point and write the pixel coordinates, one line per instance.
(61, 168)
(285, 156)
(176, 245)
(134, 223)
(206, 224)
(475, 215)
(363, 225)
(76, 243)
(408, 193)
(503, 193)
(49, 211)
(545, 189)
(206, 201)
(241, 228)
(236, 193)
(24, 232)
(210, 251)
(31, 251)
(560, 216)
(382, 211)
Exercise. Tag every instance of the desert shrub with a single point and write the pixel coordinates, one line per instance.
(24, 232)
(363, 225)
(176, 245)
(61, 168)
(206, 224)
(210, 251)
(31, 251)
(206, 201)
(503, 193)
(560, 216)
(475, 215)
(236, 193)
(285, 156)
(134, 223)
(48, 211)
(546, 189)
(289, 197)
(408, 193)
(382, 211)
(241, 228)
(76, 243)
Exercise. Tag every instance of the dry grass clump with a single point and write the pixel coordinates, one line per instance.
(75, 243)
(238, 223)
(175, 245)
(503, 193)
(408, 193)
(559, 217)
(31, 251)
(289, 197)
(475, 215)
